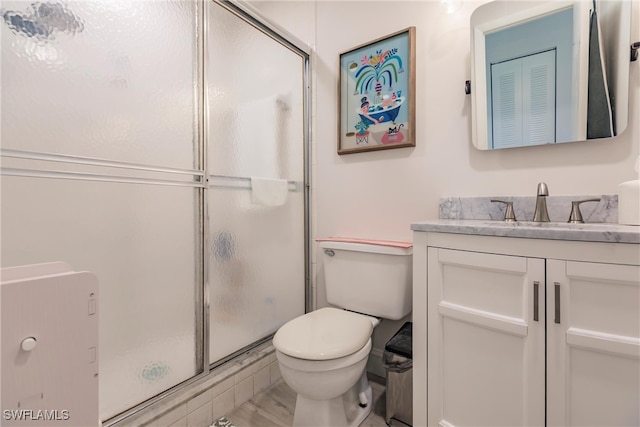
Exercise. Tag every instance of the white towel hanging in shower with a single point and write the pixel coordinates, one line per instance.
(269, 191)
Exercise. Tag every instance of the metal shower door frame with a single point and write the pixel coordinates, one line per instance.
(201, 180)
(252, 17)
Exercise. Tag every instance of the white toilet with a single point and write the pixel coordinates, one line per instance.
(323, 354)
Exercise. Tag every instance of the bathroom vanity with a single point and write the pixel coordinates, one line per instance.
(526, 323)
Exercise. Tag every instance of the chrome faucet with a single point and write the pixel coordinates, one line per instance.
(541, 214)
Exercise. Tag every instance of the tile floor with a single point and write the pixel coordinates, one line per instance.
(274, 407)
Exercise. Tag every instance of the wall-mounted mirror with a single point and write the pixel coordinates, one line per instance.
(549, 72)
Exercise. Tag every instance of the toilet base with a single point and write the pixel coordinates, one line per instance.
(341, 411)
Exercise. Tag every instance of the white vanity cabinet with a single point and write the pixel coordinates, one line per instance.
(525, 332)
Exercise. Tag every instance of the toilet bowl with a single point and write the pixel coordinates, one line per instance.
(323, 354)
(322, 357)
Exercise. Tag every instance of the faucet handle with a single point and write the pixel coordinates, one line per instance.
(576, 216)
(509, 215)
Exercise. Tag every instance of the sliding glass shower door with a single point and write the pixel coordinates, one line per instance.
(131, 132)
(255, 161)
(100, 169)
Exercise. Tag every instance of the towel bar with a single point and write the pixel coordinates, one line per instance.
(294, 186)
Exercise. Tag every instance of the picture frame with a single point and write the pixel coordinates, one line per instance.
(377, 94)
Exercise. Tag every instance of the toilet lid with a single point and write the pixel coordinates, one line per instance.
(327, 333)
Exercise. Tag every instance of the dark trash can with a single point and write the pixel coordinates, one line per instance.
(399, 364)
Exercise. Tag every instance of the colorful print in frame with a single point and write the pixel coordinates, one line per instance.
(377, 94)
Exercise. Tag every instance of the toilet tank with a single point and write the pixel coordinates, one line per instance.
(368, 276)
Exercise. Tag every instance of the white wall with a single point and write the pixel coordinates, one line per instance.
(379, 194)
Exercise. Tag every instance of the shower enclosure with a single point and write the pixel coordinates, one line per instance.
(131, 134)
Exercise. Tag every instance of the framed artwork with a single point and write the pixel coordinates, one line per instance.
(377, 94)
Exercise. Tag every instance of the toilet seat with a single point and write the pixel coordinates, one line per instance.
(324, 334)
(323, 366)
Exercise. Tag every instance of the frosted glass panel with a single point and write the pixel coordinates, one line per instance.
(100, 79)
(256, 262)
(256, 251)
(255, 99)
(114, 80)
(140, 241)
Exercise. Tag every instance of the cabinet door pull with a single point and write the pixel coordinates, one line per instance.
(536, 301)
(556, 286)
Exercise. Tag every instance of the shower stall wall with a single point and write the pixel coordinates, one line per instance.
(131, 134)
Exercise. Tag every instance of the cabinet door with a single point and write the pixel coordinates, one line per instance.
(593, 339)
(485, 352)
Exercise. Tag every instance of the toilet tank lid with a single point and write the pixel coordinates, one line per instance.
(393, 247)
(324, 334)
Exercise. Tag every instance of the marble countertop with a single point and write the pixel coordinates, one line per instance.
(588, 232)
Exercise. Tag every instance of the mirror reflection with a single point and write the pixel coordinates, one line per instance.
(549, 72)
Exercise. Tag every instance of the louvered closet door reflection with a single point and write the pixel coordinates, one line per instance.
(539, 98)
(255, 129)
(506, 95)
(523, 100)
